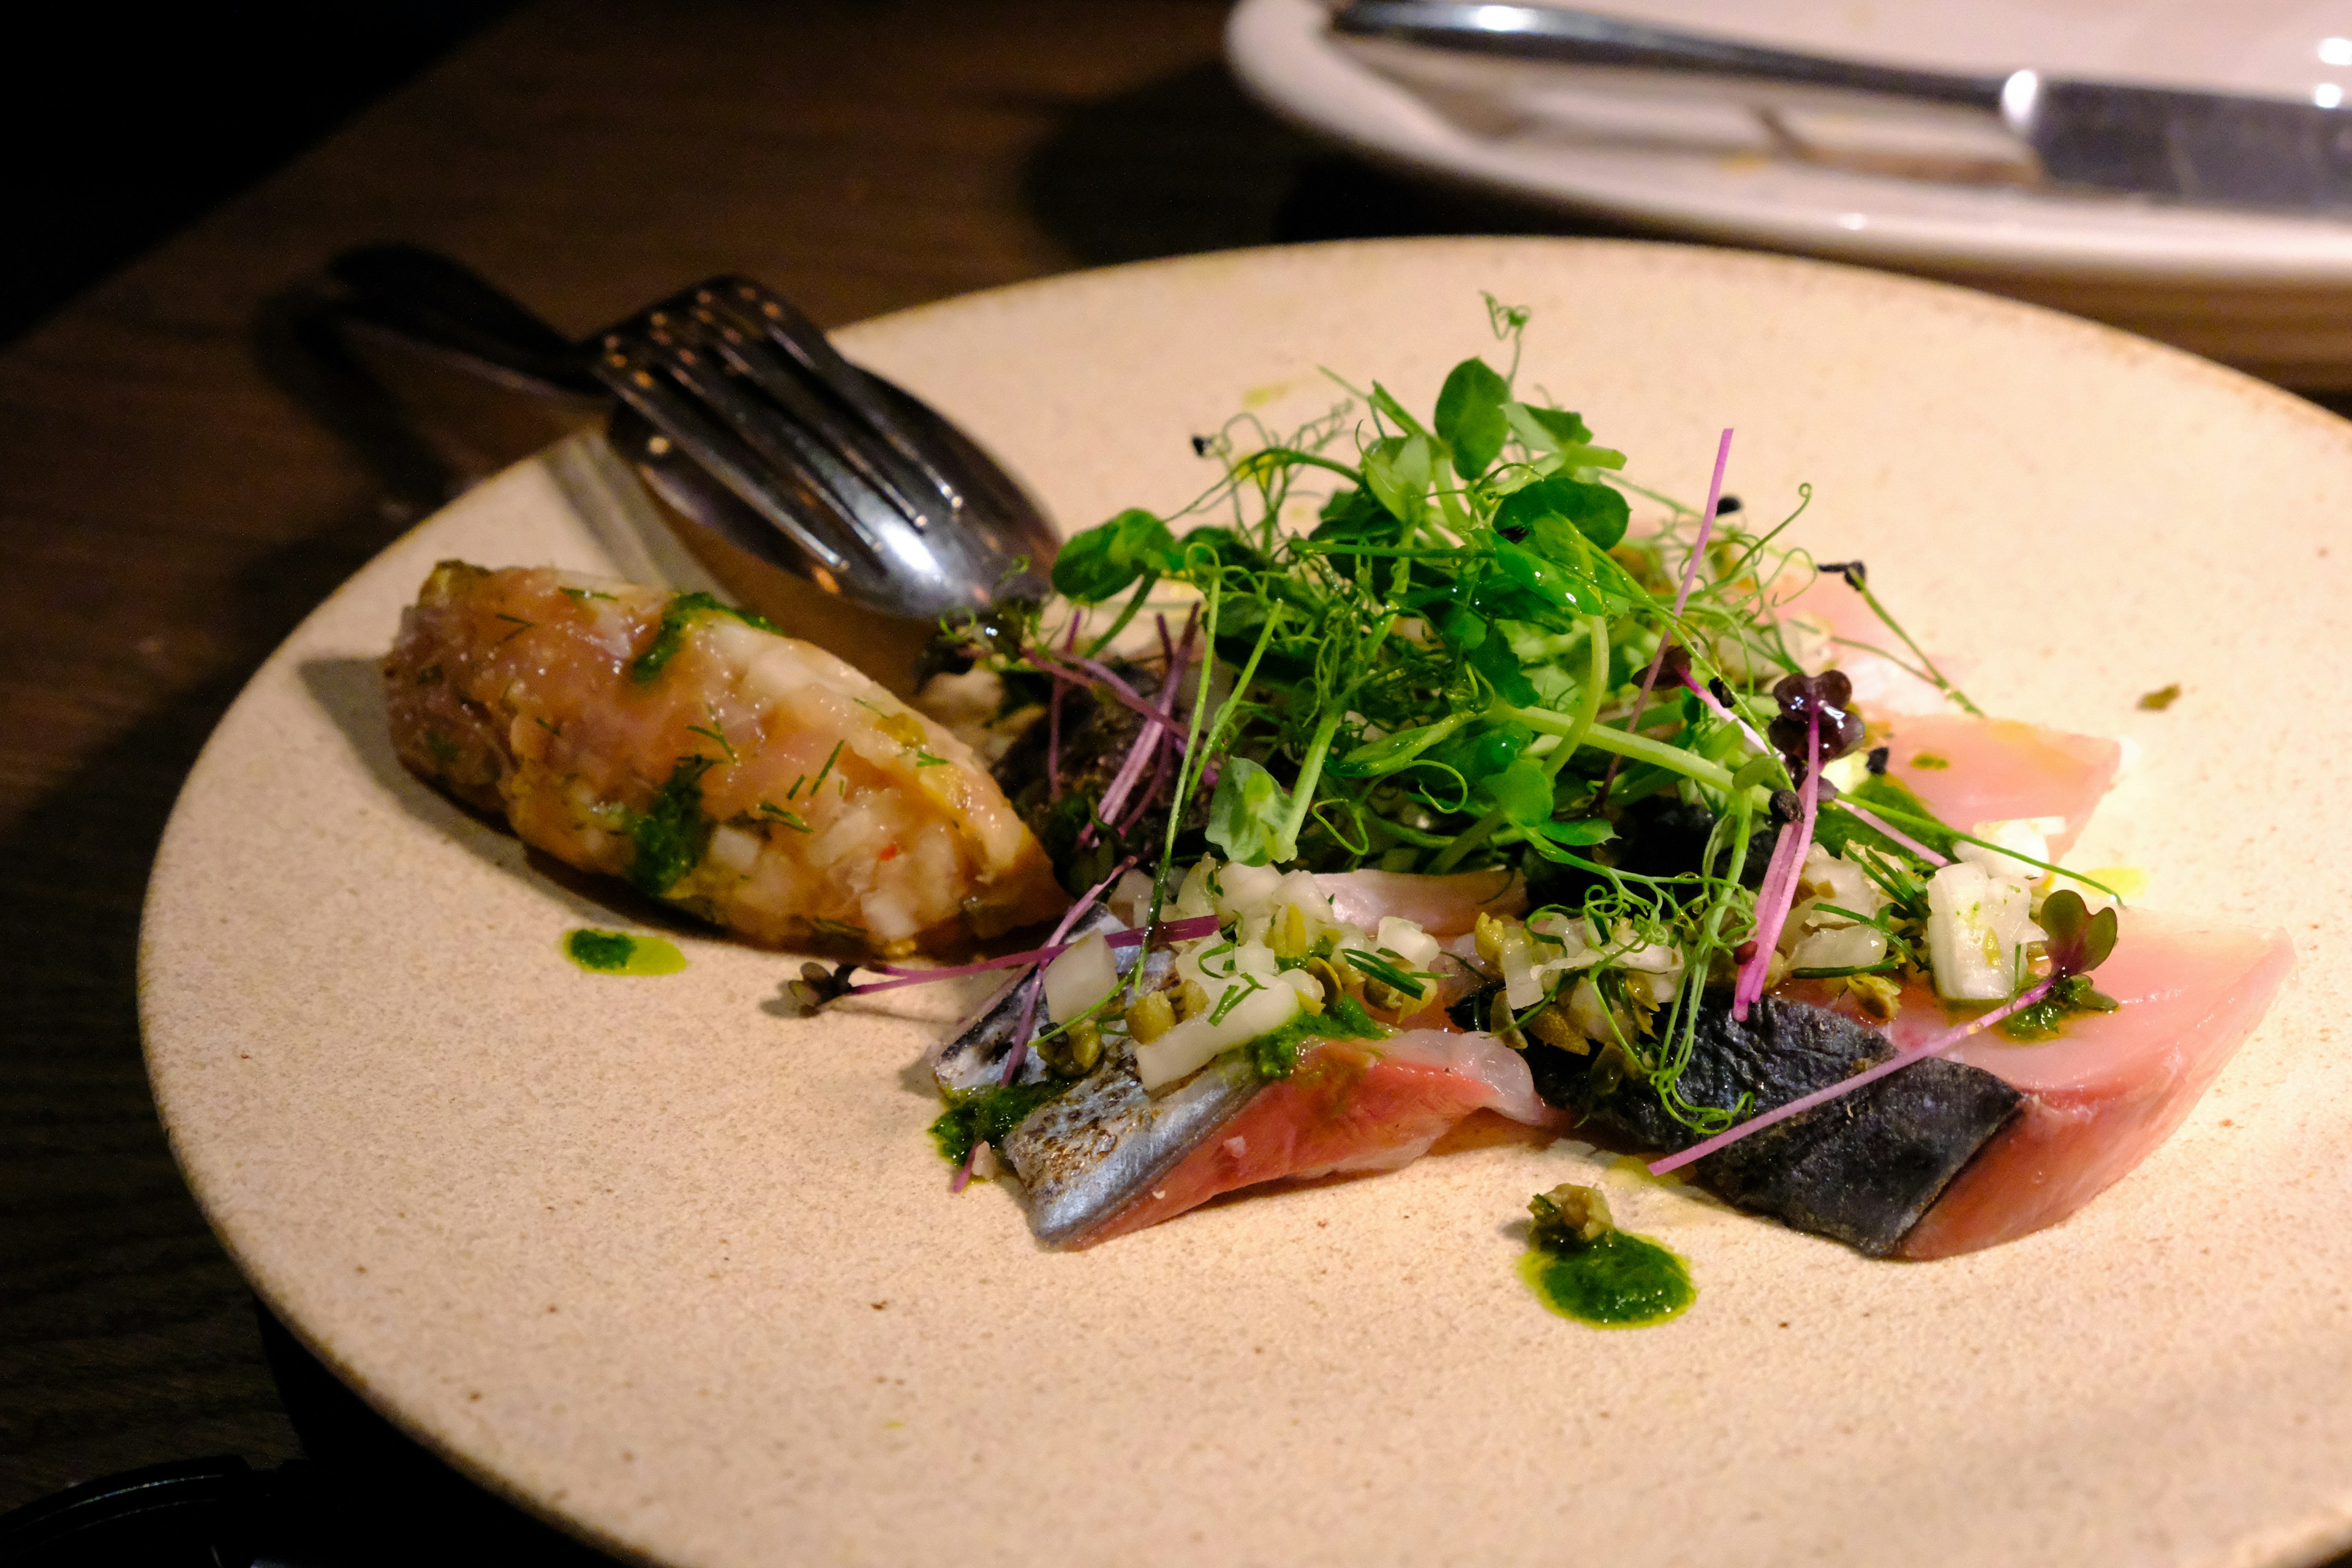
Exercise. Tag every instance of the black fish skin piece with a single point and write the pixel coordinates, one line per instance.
(1861, 1170)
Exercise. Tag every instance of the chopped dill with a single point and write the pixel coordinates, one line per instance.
(821, 772)
(713, 733)
(792, 819)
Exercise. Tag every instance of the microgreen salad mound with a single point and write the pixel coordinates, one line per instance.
(1468, 659)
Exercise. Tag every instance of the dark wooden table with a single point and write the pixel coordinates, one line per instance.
(172, 503)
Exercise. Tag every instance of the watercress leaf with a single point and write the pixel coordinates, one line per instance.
(1493, 660)
(1548, 578)
(1572, 457)
(1398, 469)
(1547, 430)
(1470, 415)
(1104, 560)
(1583, 830)
(1522, 791)
(1598, 513)
(1462, 628)
(1503, 599)
(1246, 814)
(1498, 748)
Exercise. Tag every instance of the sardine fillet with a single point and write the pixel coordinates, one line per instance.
(2099, 1098)
(1349, 1107)
(750, 777)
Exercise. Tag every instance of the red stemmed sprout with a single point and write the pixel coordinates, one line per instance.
(1814, 726)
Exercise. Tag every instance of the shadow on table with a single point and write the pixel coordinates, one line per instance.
(1190, 162)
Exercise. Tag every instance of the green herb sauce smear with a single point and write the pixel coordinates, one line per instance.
(1614, 1282)
(618, 953)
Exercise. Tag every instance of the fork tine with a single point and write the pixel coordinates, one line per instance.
(646, 385)
(822, 456)
(740, 341)
(780, 322)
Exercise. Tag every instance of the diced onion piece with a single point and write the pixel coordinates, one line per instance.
(1131, 900)
(1522, 987)
(1080, 978)
(1977, 928)
(2027, 835)
(1245, 891)
(1301, 890)
(1849, 887)
(1268, 998)
(1407, 941)
(1192, 899)
(1840, 947)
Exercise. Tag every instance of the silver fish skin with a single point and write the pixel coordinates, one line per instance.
(1086, 1155)
(1083, 1158)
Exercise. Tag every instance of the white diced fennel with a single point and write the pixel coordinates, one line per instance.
(1192, 899)
(1407, 941)
(2027, 835)
(1130, 899)
(1847, 772)
(1841, 946)
(735, 849)
(1245, 891)
(1080, 978)
(1254, 999)
(1300, 890)
(1977, 926)
(1849, 889)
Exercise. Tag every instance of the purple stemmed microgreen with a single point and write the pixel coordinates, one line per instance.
(1675, 662)
(1814, 717)
(1053, 714)
(1086, 671)
(1174, 931)
(1032, 985)
(1872, 820)
(1682, 597)
(2079, 943)
(1149, 740)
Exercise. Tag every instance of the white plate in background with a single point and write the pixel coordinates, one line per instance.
(2269, 293)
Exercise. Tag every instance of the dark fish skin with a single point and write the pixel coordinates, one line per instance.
(1861, 1170)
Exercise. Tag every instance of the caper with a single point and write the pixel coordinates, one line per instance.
(1153, 1015)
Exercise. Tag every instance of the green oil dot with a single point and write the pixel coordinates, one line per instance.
(618, 953)
(1615, 1281)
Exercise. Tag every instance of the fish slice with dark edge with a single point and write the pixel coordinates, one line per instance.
(1861, 1169)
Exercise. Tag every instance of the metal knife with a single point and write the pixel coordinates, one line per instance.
(2194, 147)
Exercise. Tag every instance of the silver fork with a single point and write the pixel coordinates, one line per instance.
(738, 412)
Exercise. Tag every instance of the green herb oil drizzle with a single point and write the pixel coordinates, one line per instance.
(618, 953)
(1582, 1267)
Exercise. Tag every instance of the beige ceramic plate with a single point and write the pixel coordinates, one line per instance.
(683, 1272)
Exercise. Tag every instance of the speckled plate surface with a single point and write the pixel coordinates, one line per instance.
(685, 1273)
